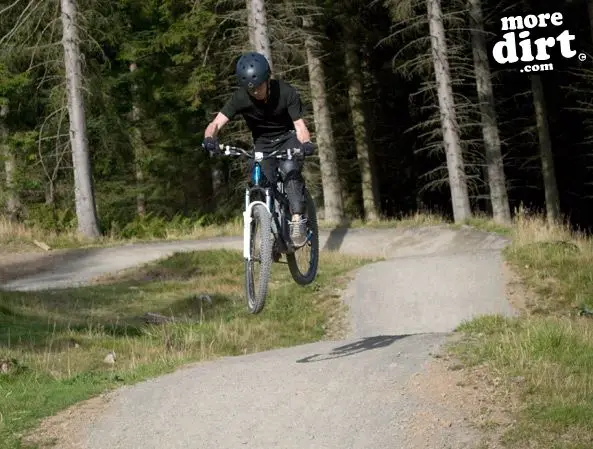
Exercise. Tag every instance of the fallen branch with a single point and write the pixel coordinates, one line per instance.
(157, 318)
(42, 245)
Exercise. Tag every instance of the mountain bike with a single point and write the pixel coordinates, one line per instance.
(267, 210)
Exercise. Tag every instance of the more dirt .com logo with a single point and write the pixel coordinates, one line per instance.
(521, 44)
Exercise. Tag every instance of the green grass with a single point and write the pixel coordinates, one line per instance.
(59, 339)
(549, 347)
(411, 220)
(18, 237)
(485, 223)
(554, 359)
(560, 273)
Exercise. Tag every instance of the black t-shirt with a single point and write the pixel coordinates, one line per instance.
(267, 120)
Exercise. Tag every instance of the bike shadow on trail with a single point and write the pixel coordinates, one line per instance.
(336, 236)
(364, 344)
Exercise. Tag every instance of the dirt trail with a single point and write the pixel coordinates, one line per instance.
(361, 392)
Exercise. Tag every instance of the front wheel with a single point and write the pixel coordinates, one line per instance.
(309, 252)
(261, 255)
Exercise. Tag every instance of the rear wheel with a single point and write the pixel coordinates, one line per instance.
(258, 269)
(308, 254)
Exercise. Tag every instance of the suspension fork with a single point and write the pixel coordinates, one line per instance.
(248, 218)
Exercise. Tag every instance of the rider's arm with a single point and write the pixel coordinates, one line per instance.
(295, 110)
(215, 125)
(232, 107)
(294, 104)
(302, 132)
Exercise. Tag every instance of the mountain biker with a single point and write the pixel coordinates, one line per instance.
(273, 112)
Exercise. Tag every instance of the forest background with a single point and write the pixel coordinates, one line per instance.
(378, 91)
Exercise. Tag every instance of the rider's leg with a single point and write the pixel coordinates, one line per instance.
(294, 183)
(269, 168)
(295, 190)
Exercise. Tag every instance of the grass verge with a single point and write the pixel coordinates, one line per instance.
(542, 360)
(54, 344)
(16, 237)
(411, 220)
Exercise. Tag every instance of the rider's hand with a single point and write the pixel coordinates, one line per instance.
(307, 148)
(211, 144)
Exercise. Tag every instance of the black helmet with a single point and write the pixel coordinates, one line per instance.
(252, 70)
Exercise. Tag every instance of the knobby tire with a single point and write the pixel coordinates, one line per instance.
(309, 276)
(256, 299)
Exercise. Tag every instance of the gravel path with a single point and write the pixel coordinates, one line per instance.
(327, 395)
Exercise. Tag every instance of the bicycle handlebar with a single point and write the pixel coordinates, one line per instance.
(229, 150)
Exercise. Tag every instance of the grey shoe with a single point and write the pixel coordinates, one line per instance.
(298, 231)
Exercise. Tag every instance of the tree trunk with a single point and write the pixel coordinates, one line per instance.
(13, 203)
(545, 145)
(496, 179)
(451, 142)
(138, 145)
(258, 28)
(590, 9)
(50, 194)
(355, 95)
(330, 178)
(368, 79)
(83, 185)
(250, 24)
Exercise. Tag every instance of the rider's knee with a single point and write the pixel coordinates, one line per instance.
(290, 170)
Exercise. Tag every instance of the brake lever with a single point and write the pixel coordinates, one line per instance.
(298, 153)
